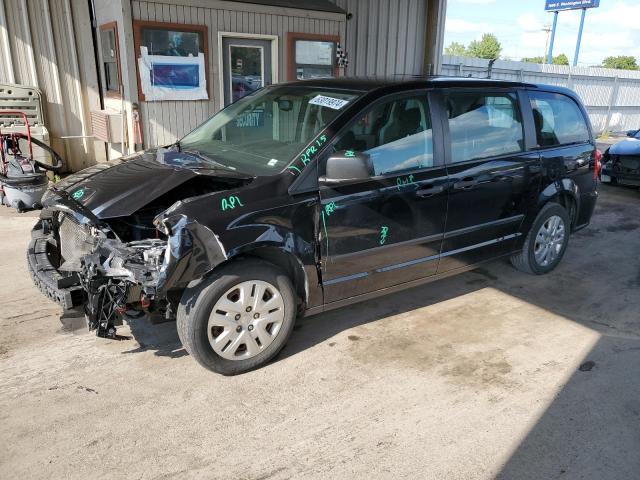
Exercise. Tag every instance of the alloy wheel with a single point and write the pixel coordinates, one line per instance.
(549, 241)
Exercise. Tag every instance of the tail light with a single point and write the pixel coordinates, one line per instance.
(597, 158)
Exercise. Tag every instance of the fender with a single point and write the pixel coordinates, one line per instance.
(564, 186)
(291, 247)
(202, 238)
(192, 251)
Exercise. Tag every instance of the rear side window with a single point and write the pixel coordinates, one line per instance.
(558, 119)
(483, 126)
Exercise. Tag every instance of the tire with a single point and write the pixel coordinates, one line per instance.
(200, 328)
(526, 260)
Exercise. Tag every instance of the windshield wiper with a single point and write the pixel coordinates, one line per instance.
(207, 158)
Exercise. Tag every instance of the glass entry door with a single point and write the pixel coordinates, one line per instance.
(246, 66)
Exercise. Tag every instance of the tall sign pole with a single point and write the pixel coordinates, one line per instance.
(553, 36)
(558, 5)
(575, 57)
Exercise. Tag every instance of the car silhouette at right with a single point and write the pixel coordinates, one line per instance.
(621, 161)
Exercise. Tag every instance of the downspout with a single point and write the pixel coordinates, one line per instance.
(94, 36)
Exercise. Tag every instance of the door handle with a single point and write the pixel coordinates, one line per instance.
(502, 178)
(429, 190)
(465, 183)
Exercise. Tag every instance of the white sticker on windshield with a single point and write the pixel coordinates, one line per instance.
(272, 162)
(335, 103)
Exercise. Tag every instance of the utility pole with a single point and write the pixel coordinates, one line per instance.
(546, 28)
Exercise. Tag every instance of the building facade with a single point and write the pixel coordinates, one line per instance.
(122, 75)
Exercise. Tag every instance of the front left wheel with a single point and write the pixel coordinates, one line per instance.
(239, 318)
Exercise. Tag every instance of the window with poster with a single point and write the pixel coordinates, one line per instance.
(171, 60)
(312, 55)
(110, 56)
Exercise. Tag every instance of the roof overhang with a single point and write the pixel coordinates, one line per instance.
(315, 5)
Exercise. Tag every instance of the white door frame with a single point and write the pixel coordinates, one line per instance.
(248, 36)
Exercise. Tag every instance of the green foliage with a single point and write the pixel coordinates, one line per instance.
(456, 48)
(533, 59)
(487, 47)
(561, 59)
(621, 62)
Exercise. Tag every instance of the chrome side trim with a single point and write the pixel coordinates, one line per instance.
(346, 278)
(409, 263)
(480, 226)
(479, 245)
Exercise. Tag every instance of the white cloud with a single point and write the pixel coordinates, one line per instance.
(457, 25)
(529, 22)
(621, 15)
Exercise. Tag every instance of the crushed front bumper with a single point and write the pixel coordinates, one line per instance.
(61, 287)
(72, 256)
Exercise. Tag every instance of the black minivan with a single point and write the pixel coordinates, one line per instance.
(307, 196)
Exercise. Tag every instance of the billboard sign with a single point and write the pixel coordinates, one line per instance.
(556, 5)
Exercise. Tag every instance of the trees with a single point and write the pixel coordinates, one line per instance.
(561, 59)
(456, 48)
(621, 62)
(487, 47)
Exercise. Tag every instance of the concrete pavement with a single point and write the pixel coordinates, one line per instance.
(474, 377)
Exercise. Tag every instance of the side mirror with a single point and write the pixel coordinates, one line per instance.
(632, 133)
(347, 166)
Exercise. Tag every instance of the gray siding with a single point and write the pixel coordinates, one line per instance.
(164, 122)
(43, 45)
(385, 37)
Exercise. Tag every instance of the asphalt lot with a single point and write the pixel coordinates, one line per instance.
(473, 377)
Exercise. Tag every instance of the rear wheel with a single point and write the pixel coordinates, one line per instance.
(239, 318)
(546, 241)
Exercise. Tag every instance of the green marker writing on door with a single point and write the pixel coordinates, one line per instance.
(401, 181)
(384, 231)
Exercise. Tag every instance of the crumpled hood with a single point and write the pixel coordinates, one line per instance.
(121, 187)
(630, 146)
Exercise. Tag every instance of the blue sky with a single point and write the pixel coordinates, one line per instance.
(611, 29)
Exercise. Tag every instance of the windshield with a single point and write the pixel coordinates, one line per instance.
(261, 133)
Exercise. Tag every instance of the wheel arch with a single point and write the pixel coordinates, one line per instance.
(566, 193)
(282, 259)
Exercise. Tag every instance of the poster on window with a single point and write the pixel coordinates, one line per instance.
(164, 77)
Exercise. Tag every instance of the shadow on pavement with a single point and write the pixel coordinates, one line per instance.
(162, 339)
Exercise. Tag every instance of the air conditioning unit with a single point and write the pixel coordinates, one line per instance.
(106, 125)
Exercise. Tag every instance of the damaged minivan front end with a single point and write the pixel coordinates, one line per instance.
(125, 263)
